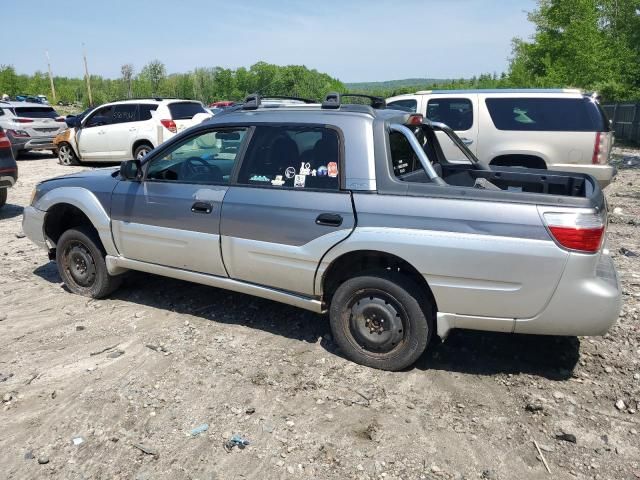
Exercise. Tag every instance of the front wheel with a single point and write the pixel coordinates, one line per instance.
(81, 263)
(66, 155)
(381, 322)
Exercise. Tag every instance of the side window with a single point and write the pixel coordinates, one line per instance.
(145, 111)
(101, 116)
(293, 156)
(410, 106)
(457, 113)
(125, 113)
(403, 158)
(207, 158)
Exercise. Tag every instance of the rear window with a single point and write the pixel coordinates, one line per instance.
(403, 159)
(547, 114)
(185, 110)
(410, 106)
(36, 112)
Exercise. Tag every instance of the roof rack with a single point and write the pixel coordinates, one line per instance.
(285, 97)
(252, 102)
(333, 100)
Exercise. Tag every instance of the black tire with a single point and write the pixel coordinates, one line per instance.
(3, 197)
(142, 150)
(380, 321)
(66, 155)
(81, 263)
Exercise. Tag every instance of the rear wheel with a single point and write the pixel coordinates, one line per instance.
(3, 197)
(81, 263)
(381, 322)
(66, 155)
(141, 151)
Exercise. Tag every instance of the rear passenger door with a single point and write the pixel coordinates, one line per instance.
(122, 131)
(460, 114)
(287, 208)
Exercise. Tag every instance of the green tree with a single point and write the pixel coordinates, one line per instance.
(154, 72)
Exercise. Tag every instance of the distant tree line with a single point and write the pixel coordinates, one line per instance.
(205, 84)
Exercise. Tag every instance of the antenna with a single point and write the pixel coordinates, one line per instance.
(53, 88)
(86, 74)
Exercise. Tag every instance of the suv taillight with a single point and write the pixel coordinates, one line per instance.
(4, 141)
(601, 148)
(169, 125)
(23, 120)
(583, 232)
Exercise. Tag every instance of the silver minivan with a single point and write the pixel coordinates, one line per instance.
(561, 129)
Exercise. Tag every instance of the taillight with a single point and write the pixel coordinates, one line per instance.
(415, 119)
(169, 125)
(4, 141)
(601, 148)
(18, 133)
(23, 120)
(59, 119)
(583, 232)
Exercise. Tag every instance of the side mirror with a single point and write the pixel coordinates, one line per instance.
(72, 121)
(131, 170)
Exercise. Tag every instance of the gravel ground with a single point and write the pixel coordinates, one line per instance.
(112, 389)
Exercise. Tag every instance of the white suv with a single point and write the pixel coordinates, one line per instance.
(126, 129)
(548, 129)
(30, 126)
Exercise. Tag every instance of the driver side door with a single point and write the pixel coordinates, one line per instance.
(172, 216)
(92, 138)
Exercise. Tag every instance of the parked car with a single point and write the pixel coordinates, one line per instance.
(30, 126)
(561, 130)
(222, 104)
(348, 210)
(127, 129)
(8, 167)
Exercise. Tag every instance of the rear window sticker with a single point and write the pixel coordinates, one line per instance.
(322, 171)
(313, 172)
(305, 168)
(290, 172)
(333, 169)
(259, 178)
(278, 181)
(299, 181)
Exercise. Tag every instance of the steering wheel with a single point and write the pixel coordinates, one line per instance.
(196, 168)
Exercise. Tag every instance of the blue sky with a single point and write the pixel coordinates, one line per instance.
(353, 40)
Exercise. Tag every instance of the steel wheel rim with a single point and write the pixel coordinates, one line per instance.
(142, 153)
(79, 264)
(377, 323)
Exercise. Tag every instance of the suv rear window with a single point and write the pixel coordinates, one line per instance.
(547, 114)
(36, 112)
(403, 159)
(185, 110)
(456, 113)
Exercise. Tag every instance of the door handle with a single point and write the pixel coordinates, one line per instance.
(329, 219)
(466, 141)
(202, 207)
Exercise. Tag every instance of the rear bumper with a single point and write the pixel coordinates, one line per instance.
(587, 301)
(31, 143)
(7, 181)
(602, 173)
(33, 226)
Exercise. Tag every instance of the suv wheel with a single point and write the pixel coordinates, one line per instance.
(380, 322)
(140, 151)
(3, 197)
(81, 263)
(66, 155)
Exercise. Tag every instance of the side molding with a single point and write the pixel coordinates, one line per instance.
(117, 265)
(87, 202)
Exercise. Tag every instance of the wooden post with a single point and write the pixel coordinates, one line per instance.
(86, 74)
(53, 88)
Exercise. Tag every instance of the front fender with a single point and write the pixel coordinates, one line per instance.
(88, 203)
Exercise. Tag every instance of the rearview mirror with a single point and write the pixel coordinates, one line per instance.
(131, 170)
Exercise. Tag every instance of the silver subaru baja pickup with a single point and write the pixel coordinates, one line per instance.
(345, 209)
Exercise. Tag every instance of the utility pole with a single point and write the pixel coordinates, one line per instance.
(53, 88)
(86, 74)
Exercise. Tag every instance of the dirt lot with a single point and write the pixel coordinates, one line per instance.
(142, 369)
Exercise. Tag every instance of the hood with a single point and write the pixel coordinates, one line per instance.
(100, 182)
